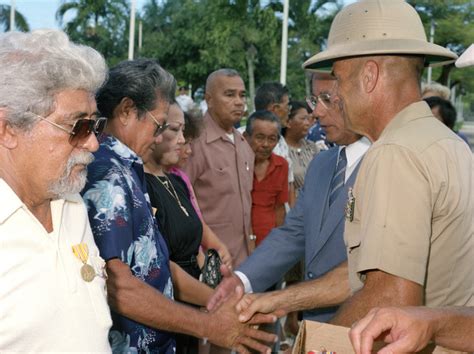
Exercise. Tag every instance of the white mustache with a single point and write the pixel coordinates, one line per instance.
(83, 158)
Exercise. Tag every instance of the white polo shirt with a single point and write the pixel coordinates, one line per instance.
(45, 305)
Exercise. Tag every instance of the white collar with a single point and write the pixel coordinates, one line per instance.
(11, 202)
(356, 150)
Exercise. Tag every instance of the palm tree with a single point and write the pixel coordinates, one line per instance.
(101, 24)
(20, 20)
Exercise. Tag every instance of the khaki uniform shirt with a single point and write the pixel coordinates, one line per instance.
(413, 209)
(221, 173)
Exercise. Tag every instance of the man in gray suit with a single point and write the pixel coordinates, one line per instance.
(314, 228)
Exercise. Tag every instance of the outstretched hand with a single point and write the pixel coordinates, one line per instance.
(225, 289)
(253, 307)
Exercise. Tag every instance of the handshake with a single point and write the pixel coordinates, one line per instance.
(242, 333)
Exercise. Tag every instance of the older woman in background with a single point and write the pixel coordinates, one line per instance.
(192, 129)
(301, 150)
(174, 211)
(177, 216)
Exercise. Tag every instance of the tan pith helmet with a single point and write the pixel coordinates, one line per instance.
(376, 27)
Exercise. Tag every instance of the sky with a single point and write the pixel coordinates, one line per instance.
(41, 13)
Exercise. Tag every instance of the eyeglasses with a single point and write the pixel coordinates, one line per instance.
(81, 129)
(160, 128)
(307, 117)
(324, 98)
(271, 139)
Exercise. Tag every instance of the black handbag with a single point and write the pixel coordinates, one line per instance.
(210, 272)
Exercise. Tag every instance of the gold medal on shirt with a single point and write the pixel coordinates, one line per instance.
(349, 210)
(81, 251)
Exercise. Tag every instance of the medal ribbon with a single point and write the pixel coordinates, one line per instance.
(81, 251)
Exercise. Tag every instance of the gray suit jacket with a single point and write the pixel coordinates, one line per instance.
(311, 230)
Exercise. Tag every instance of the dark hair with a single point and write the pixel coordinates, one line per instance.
(192, 125)
(269, 93)
(296, 106)
(446, 110)
(144, 81)
(264, 115)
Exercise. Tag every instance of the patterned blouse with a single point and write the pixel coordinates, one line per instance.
(300, 158)
(124, 227)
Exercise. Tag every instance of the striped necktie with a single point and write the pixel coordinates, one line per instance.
(337, 181)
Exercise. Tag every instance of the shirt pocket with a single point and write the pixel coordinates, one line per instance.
(222, 179)
(352, 236)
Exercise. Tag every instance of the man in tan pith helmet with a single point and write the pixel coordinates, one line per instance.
(409, 217)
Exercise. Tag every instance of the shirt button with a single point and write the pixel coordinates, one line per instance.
(310, 275)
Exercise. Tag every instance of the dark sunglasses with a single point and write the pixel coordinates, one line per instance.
(81, 129)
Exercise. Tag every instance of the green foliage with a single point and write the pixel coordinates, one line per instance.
(309, 27)
(20, 22)
(454, 29)
(101, 24)
(193, 38)
(453, 21)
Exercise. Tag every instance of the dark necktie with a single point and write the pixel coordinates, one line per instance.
(337, 181)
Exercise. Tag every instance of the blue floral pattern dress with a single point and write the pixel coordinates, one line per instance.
(124, 227)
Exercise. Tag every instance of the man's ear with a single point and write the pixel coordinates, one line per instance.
(370, 75)
(273, 108)
(126, 110)
(208, 99)
(8, 134)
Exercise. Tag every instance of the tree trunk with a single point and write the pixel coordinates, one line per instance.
(250, 55)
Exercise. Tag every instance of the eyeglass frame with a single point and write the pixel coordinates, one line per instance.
(266, 139)
(71, 132)
(160, 128)
(312, 100)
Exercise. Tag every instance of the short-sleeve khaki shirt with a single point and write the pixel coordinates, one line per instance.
(413, 209)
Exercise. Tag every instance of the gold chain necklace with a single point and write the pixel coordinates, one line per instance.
(170, 188)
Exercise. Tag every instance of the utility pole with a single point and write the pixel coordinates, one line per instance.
(284, 43)
(432, 32)
(131, 37)
(140, 37)
(12, 16)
